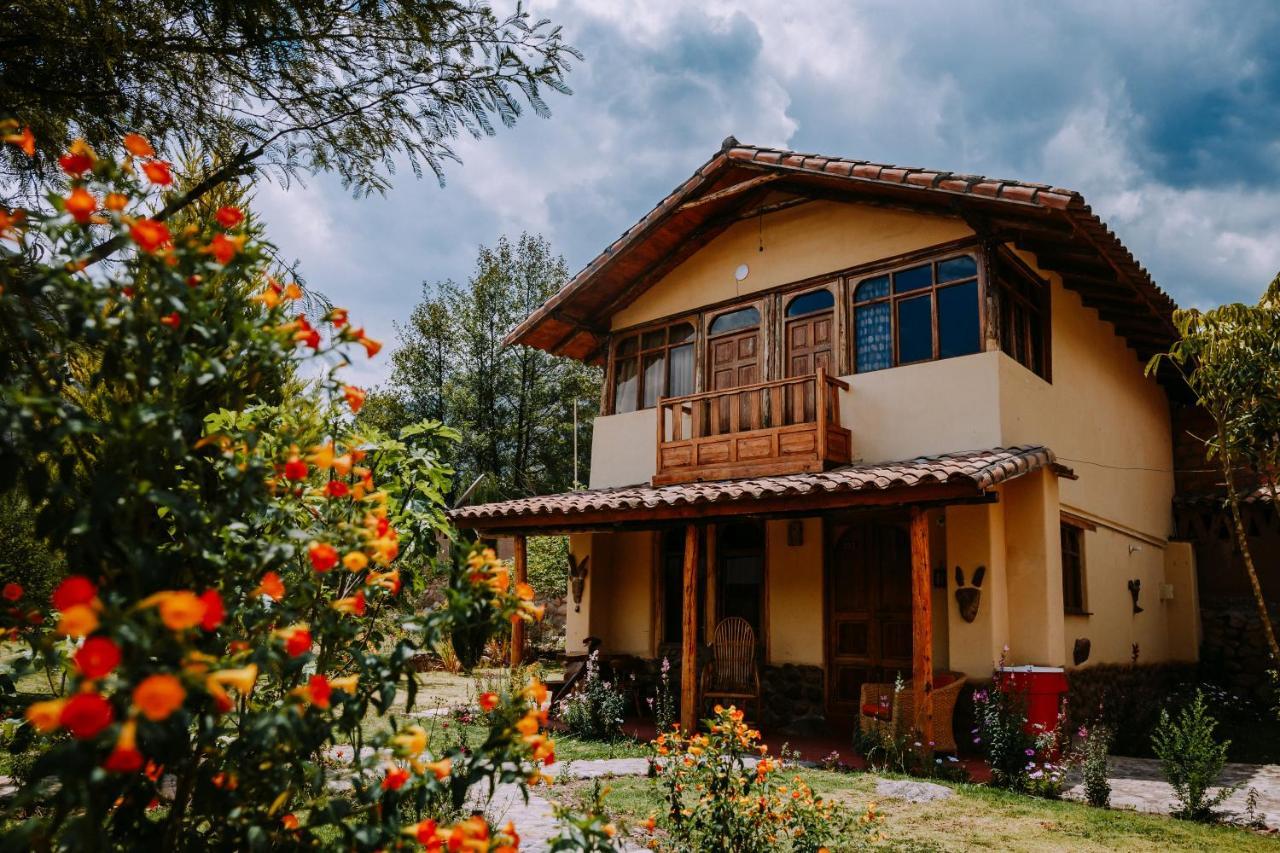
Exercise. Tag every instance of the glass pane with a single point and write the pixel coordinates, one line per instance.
(874, 338)
(955, 269)
(958, 320)
(680, 375)
(624, 388)
(743, 318)
(915, 330)
(1036, 344)
(913, 279)
(628, 346)
(872, 288)
(654, 373)
(681, 332)
(817, 300)
(653, 340)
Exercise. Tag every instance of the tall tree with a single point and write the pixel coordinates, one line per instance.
(514, 406)
(1230, 358)
(283, 85)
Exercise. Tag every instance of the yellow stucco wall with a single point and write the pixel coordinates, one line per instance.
(975, 536)
(618, 604)
(799, 242)
(795, 604)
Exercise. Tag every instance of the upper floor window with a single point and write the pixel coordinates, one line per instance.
(1024, 315)
(733, 321)
(652, 364)
(921, 313)
(808, 303)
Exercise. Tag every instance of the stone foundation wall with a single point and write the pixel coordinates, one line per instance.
(1234, 650)
(793, 698)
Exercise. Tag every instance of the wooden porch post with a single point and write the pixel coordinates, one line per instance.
(689, 635)
(921, 625)
(522, 576)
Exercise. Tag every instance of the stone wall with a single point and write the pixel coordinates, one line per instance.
(546, 638)
(794, 699)
(1234, 651)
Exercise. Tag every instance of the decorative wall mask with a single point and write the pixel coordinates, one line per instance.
(1135, 587)
(578, 580)
(1080, 653)
(968, 597)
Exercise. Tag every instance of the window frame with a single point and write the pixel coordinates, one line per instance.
(638, 334)
(894, 299)
(1035, 308)
(1075, 528)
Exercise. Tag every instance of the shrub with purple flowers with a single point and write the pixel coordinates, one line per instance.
(1000, 734)
(1095, 742)
(663, 703)
(594, 710)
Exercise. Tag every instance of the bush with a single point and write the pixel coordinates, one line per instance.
(1191, 759)
(716, 801)
(235, 548)
(594, 711)
(549, 565)
(1009, 750)
(663, 703)
(1094, 748)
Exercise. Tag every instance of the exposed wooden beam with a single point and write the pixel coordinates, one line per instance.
(522, 576)
(921, 626)
(689, 631)
(728, 192)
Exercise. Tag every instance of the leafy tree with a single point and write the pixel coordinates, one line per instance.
(513, 406)
(231, 547)
(309, 85)
(1230, 358)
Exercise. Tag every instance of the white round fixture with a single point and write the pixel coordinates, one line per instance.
(741, 272)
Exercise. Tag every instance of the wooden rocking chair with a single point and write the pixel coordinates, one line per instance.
(732, 675)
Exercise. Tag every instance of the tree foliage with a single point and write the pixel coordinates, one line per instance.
(513, 405)
(307, 85)
(229, 548)
(1230, 358)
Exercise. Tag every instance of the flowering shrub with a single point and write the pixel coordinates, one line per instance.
(717, 800)
(228, 544)
(594, 710)
(663, 703)
(1009, 750)
(1095, 742)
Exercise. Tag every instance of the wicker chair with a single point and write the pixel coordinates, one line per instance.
(732, 674)
(891, 714)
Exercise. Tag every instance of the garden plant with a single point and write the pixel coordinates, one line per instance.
(231, 610)
(1192, 759)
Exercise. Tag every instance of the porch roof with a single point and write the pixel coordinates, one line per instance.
(946, 478)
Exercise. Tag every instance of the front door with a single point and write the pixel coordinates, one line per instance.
(868, 611)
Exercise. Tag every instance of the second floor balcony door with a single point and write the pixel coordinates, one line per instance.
(809, 332)
(733, 344)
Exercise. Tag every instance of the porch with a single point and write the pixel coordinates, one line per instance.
(842, 573)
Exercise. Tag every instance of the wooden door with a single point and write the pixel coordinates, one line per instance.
(808, 347)
(734, 360)
(868, 593)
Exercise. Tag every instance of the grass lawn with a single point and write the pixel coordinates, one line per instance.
(976, 817)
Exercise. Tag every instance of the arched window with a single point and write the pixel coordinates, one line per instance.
(930, 311)
(808, 303)
(652, 364)
(735, 321)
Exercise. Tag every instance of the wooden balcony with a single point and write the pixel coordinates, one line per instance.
(780, 427)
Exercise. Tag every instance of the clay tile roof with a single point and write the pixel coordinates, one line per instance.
(979, 469)
(569, 322)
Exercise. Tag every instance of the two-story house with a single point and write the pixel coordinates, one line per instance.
(839, 395)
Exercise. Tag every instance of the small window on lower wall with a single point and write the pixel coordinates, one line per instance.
(1073, 600)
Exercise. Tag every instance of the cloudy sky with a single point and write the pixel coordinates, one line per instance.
(1166, 116)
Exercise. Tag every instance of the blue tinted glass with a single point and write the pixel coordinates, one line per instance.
(913, 279)
(958, 319)
(817, 300)
(915, 330)
(957, 268)
(873, 337)
(872, 288)
(743, 318)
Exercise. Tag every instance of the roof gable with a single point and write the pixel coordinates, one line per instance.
(1054, 223)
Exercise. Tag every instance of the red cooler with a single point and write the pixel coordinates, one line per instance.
(1043, 688)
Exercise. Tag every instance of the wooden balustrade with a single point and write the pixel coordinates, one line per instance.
(778, 427)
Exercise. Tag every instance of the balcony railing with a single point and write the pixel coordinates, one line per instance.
(779, 427)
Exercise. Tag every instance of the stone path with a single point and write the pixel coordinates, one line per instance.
(1137, 783)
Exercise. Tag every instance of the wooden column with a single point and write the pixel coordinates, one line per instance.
(921, 625)
(522, 576)
(689, 635)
